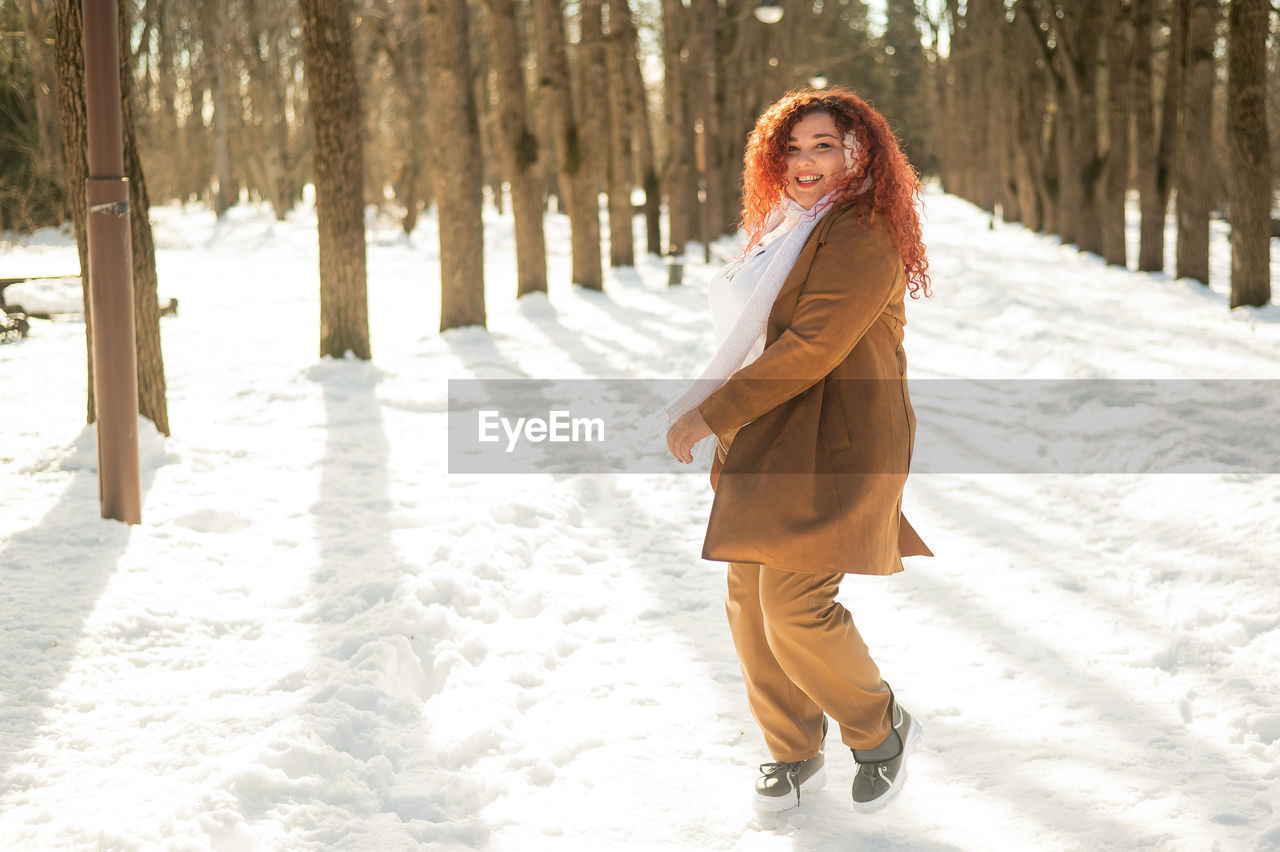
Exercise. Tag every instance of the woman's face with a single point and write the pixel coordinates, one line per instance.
(815, 158)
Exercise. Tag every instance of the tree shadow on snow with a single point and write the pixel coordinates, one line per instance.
(53, 573)
(374, 664)
(1199, 773)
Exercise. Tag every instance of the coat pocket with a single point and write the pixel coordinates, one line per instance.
(832, 422)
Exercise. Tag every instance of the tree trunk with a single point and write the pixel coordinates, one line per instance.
(491, 169)
(736, 108)
(593, 147)
(1068, 210)
(414, 173)
(69, 60)
(192, 181)
(215, 51)
(69, 54)
(577, 184)
(285, 190)
(339, 176)
(1197, 144)
(726, 153)
(1028, 89)
(642, 133)
(1001, 108)
(1115, 182)
(1249, 149)
(991, 93)
(1073, 60)
(1087, 37)
(622, 123)
(1171, 119)
(518, 144)
(167, 120)
(945, 74)
(679, 175)
(152, 398)
(266, 161)
(1154, 151)
(455, 168)
(48, 157)
(1050, 180)
(397, 32)
(956, 150)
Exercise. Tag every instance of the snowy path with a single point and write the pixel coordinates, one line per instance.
(319, 639)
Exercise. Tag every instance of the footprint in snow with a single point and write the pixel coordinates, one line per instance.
(213, 521)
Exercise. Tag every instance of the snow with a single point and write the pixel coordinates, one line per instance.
(319, 638)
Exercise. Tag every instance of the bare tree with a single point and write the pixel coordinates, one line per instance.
(73, 115)
(995, 182)
(1155, 147)
(642, 131)
(622, 125)
(152, 397)
(455, 164)
(1030, 93)
(216, 48)
(267, 155)
(36, 18)
(164, 121)
(1115, 178)
(1196, 150)
(679, 175)
(576, 183)
(69, 54)
(907, 102)
(1250, 173)
(398, 33)
(593, 135)
(1070, 34)
(339, 176)
(518, 145)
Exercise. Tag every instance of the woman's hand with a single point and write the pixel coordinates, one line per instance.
(684, 433)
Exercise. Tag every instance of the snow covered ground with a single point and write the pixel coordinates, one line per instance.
(318, 638)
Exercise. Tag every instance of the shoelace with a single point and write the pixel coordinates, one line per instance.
(879, 770)
(792, 771)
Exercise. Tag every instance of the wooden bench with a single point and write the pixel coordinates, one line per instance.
(17, 314)
(14, 324)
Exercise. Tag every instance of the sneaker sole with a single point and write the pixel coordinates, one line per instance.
(776, 804)
(914, 734)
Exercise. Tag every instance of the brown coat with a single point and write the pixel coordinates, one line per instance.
(820, 425)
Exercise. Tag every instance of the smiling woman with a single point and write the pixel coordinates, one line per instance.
(815, 159)
(807, 397)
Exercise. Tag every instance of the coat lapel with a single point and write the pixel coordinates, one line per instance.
(800, 269)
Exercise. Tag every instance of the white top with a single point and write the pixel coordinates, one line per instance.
(730, 290)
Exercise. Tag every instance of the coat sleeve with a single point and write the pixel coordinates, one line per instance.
(851, 281)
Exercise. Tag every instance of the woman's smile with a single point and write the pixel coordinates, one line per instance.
(815, 158)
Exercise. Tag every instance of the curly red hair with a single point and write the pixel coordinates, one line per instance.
(895, 186)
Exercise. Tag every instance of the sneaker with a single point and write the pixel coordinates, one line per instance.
(780, 784)
(879, 779)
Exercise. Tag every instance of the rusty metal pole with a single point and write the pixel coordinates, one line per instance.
(115, 359)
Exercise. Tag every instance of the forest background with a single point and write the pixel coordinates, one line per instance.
(1052, 114)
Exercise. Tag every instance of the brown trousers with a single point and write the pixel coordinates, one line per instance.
(801, 657)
